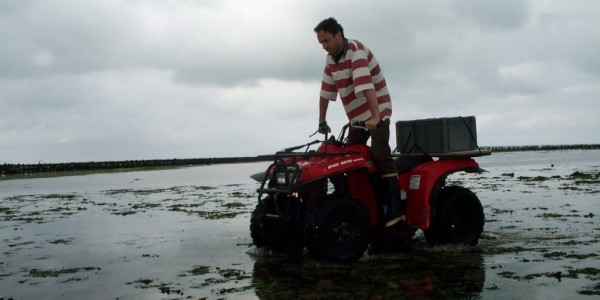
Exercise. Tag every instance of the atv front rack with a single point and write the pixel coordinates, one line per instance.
(289, 170)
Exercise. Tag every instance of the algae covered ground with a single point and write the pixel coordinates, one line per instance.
(183, 234)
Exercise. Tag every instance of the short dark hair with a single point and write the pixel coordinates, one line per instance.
(330, 25)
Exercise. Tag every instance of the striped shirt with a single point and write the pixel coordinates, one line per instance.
(356, 71)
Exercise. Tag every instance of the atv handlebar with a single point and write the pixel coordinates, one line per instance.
(355, 124)
(341, 139)
(289, 152)
(359, 125)
(290, 149)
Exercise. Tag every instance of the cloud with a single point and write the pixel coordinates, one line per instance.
(112, 80)
(507, 14)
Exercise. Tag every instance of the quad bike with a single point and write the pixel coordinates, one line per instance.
(331, 201)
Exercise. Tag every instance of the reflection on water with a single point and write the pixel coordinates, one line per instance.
(442, 273)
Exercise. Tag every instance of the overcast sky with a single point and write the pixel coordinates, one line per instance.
(99, 80)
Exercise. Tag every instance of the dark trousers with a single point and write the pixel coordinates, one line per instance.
(380, 147)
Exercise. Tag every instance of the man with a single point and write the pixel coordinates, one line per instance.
(352, 71)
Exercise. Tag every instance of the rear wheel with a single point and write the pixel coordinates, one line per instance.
(458, 218)
(338, 231)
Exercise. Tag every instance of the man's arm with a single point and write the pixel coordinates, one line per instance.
(323, 104)
(374, 108)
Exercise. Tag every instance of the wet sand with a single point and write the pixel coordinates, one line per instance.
(183, 234)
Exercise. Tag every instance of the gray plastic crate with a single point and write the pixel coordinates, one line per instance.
(442, 135)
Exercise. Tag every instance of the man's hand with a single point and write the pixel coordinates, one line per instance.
(371, 123)
(324, 128)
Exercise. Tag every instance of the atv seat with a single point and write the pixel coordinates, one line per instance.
(406, 163)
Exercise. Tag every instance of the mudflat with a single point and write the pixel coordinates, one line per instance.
(183, 234)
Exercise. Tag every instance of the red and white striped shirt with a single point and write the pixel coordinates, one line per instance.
(356, 71)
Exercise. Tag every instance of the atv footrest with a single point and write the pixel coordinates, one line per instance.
(273, 190)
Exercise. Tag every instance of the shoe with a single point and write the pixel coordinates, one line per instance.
(395, 220)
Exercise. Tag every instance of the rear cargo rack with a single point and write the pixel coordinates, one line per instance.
(457, 154)
(453, 137)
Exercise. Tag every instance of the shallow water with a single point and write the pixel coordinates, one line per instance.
(183, 233)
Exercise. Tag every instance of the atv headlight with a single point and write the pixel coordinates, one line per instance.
(280, 178)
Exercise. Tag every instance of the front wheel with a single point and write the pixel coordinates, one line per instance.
(338, 231)
(458, 218)
(276, 233)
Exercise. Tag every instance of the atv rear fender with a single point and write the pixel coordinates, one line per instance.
(422, 185)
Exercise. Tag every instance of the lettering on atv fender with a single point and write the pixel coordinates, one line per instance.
(344, 162)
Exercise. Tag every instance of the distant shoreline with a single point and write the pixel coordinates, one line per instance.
(85, 167)
(126, 165)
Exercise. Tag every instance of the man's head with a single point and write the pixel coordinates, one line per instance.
(330, 35)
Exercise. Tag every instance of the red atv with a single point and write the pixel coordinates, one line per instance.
(330, 200)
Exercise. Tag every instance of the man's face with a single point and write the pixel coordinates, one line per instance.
(333, 44)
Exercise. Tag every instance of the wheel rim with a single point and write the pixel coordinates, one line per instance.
(344, 232)
(462, 224)
(338, 232)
